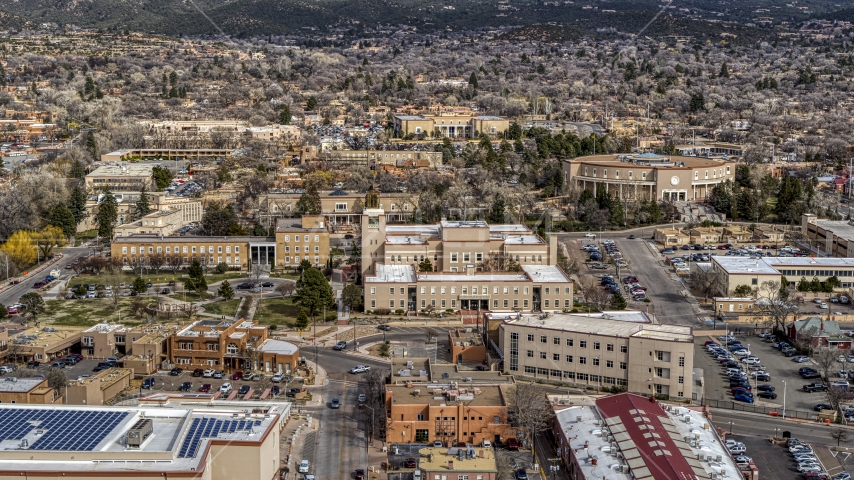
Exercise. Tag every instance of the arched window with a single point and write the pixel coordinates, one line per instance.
(231, 348)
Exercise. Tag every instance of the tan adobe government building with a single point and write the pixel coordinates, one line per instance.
(449, 125)
(475, 266)
(648, 175)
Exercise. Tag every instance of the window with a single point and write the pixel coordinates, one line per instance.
(556, 340)
(623, 366)
(317, 238)
(556, 357)
(542, 355)
(582, 360)
(419, 417)
(466, 257)
(568, 342)
(454, 257)
(681, 361)
(543, 339)
(547, 304)
(478, 257)
(595, 361)
(569, 359)
(596, 346)
(582, 343)
(624, 348)
(609, 363)
(609, 347)
(530, 337)
(391, 303)
(681, 379)
(530, 354)
(373, 290)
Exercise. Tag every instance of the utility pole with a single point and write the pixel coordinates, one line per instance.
(554, 468)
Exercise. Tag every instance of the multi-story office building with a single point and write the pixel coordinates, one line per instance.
(753, 272)
(624, 349)
(374, 159)
(340, 207)
(161, 222)
(190, 208)
(831, 237)
(302, 239)
(449, 125)
(120, 178)
(648, 175)
(473, 266)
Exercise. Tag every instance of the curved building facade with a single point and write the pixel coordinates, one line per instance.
(648, 176)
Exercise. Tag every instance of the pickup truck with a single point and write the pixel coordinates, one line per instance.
(815, 387)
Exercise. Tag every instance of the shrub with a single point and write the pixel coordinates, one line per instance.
(273, 326)
(382, 311)
(449, 310)
(221, 267)
(331, 317)
(399, 311)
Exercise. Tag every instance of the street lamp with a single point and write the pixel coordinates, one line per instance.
(368, 437)
(784, 399)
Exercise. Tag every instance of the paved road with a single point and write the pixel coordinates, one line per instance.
(11, 294)
(340, 446)
(766, 427)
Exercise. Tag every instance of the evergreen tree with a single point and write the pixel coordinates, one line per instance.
(2, 76)
(60, 216)
(311, 103)
(142, 206)
(77, 204)
(654, 211)
(108, 215)
(92, 145)
(138, 286)
(425, 266)
(196, 281)
(285, 115)
(225, 291)
(618, 214)
(473, 80)
(618, 302)
(496, 213)
(302, 320)
(313, 291)
(76, 170)
(724, 70)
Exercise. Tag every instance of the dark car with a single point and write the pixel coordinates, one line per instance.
(198, 372)
(148, 382)
(815, 387)
(205, 388)
(99, 367)
(237, 375)
(770, 395)
(176, 371)
(512, 444)
(359, 474)
(521, 474)
(164, 291)
(804, 370)
(244, 286)
(384, 327)
(275, 390)
(764, 377)
(811, 375)
(631, 237)
(244, 390)
(822, 406)
(186, 386)
(268, 284)
(410, 463)
(765, 388)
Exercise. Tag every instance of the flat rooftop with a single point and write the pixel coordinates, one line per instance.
(392, 273)
(40, 438)
(546, 273)
(625, 323)
(446, 372)
(405, 240)
(440, 394)
(478, 276)
(19, 385)
(278, 347)
(745, 265)
(840, 228)
(809, 262)
(473, 459)
(131, 170)
(190, 239)
(524, 240)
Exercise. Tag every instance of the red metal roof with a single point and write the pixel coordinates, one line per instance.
(641, 418)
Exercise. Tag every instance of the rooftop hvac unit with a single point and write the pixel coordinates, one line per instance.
(466, 344)
(620, 455)
(706, 426)
(713, 476)
(624, 468)
(604, 434)
(687, 418)
(601, 423)
(140, 431)
(578, 419)
(468, 330)
(722, 474)
(719, 458)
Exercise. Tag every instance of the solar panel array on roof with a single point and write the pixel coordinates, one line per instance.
(202, 428)
(63, 430)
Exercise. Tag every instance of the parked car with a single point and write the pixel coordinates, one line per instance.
(225, 388)
(176, 371)
(198, 372)
(277, 377)
(767, 394)
(741, 397)
(244, 389)
(815, 387)
(186, 386)
(218, 374)
(303, 466)
(238, 375)
(512, 444)
(335, 403)
(822, 406)
(205, 388)
(340, 345)
(801, 359)
(148, 382)
(208, 373)
(359, 369)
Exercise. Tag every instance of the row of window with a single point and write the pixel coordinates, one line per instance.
(305, 249)
(297, 259)
(817, 273)
(570, 342)
(584, 377)
(186, 260)
(177, 249)
(715, 173)
(306, 238)
(581, 360)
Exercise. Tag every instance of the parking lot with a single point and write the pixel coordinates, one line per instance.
(784, 377)
(163, 381)
(773, 461)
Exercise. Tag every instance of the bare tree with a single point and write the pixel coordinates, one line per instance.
(286, 288)
(772, 302)
(114, 281)
(840, 435)
(190, 311)
(530, 411)
(708, 282)
(825, 358)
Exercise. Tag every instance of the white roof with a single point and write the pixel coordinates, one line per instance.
(523, 240)
(784, 262)
(17, 385)
(545, 273)
(404, 240)
(477, 277)
(392, 273)
(623, 323)
(744, 265)
(278, 346)
(607, 468)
